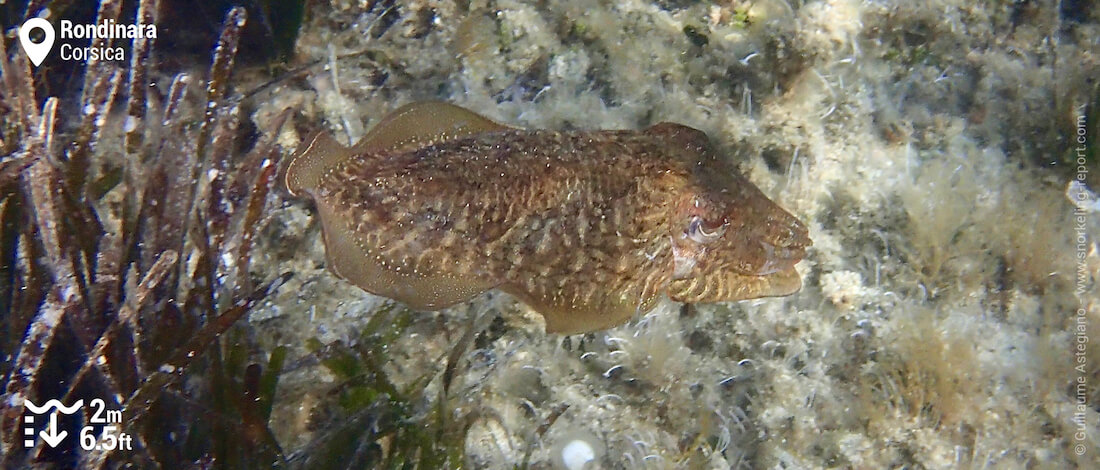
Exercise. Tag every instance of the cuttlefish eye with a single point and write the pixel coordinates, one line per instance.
(701, 232)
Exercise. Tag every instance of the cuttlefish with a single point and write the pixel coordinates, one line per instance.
(437, 204)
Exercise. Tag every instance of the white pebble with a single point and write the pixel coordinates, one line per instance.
(576, 454)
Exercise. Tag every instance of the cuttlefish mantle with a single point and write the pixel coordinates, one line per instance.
(437, 204)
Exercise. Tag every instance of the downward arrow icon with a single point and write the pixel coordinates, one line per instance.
(53, 438)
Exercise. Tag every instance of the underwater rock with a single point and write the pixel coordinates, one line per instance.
(438, 204)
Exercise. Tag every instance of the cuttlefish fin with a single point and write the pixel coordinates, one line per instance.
(351, 257)
(408, 127)
(575, 313)
(419, 124)
(309, 162)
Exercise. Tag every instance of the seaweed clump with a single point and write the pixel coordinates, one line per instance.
(126, 240)
(370, 421)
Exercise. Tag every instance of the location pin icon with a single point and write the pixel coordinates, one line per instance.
(36, 51)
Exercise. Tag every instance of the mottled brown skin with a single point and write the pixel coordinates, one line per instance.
(438, 204)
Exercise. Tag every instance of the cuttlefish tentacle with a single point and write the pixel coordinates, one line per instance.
(438, 204)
